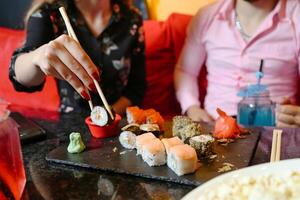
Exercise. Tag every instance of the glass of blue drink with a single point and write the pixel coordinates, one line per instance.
(256, 110)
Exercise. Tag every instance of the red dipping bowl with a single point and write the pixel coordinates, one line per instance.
(104, 131)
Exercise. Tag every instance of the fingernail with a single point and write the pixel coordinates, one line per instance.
(85, 95)
(93, 87)
(96, 76)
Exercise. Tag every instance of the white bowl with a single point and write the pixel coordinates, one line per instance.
(280, 168)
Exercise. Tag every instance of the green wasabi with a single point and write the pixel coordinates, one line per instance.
(76, 145)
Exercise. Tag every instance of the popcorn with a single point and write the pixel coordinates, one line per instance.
(263, 187)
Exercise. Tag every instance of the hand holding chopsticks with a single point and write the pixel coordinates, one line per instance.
(73, 35)
(276, 145)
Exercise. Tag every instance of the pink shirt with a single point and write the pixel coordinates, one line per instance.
(213, 40)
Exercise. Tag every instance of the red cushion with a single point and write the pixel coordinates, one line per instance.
(160, 62)
(48, 99)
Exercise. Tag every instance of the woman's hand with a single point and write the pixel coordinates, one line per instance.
(288, 116)
(197, 114)
(64, 59)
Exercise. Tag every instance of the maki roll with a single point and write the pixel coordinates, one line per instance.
(153, 128)
(182, 159)
(135, 128)
(154, 117)
(127, 139)
(185, 128)
(179, 122)
(100, 116)
(135, 115)
(153, 153)
(203, 144)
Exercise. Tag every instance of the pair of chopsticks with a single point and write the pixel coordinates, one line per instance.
(276, 145)
(72, 34)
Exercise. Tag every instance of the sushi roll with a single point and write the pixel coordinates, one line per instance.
(153, 128)
(170, 142)
(185, 128)
(127, 139)
(135, 128)
(153, 117)
(142, 140)
(203, 144)
(100, 116)
(135, 115)
(179, 122)
(182, 159)
(153, 153)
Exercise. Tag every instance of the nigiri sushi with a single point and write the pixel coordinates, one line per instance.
(135, 115)
(141, 140)
(182, 159)
(170, 142)
(127, 139)
(153, 153)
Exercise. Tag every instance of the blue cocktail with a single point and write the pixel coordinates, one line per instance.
(256, 110)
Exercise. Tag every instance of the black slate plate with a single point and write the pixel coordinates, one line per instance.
(109, 155)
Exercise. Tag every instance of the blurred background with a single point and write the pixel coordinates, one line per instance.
(12, 11)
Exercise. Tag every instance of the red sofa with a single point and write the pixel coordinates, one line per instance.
(164, 41)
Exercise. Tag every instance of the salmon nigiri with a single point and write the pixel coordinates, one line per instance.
(226, 127)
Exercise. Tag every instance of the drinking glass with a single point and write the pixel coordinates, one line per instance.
(256, 110)
(12, 173)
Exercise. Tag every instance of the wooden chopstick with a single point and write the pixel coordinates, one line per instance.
(276, 145)
(72, 34)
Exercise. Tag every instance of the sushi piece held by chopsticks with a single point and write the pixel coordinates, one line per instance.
(72, 34)
(100, 116)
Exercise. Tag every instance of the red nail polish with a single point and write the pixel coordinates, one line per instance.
(85, 95)
(96, 76)
(93, 87)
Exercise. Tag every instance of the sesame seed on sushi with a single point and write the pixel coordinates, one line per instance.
(203, 144)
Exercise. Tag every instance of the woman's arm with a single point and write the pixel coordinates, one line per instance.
(24, 75)
(61, 58)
